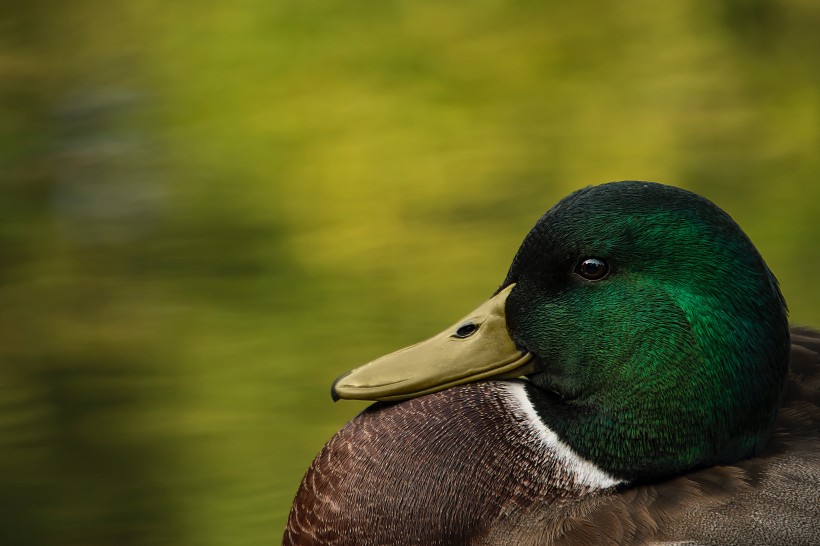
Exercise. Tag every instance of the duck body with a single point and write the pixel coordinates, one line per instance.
(507, 479)
(665, 399)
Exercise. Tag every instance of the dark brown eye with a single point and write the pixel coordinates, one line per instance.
(592, 269)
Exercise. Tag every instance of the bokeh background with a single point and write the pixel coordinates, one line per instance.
(211, 209)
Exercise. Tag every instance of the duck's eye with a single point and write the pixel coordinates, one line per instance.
(592, 269)
(466, 330)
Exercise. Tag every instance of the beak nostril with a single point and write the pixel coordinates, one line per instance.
(465, 330)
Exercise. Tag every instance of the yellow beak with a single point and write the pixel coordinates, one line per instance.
(476, 347)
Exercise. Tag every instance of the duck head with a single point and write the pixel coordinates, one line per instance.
(654, 337)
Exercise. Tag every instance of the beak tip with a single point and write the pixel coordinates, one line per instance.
(334, 394)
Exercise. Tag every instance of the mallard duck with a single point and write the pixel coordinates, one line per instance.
(657, 403)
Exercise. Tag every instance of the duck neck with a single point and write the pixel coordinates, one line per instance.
(577, 473)
(611, 440)
(653, 430)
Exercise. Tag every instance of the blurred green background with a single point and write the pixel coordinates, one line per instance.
(210, 210)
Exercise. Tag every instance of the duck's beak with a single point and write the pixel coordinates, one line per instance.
(474, 348)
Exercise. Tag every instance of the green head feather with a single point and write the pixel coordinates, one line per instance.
(677, 357)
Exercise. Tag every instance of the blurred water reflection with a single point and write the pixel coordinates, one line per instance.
(208, 212)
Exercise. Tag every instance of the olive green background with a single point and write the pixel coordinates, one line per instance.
(209, 210)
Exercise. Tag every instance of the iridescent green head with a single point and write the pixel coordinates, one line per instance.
(660, 336)
(654, 336)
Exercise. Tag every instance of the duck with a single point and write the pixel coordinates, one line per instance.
(633, 380)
